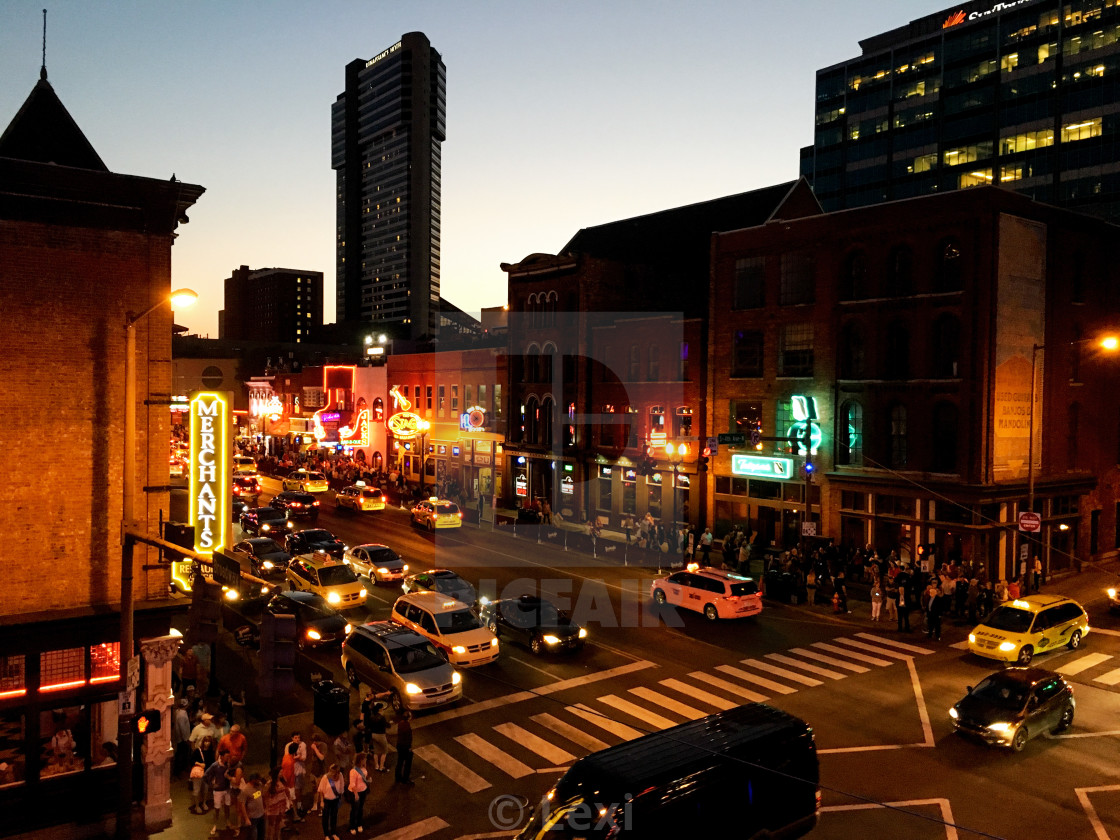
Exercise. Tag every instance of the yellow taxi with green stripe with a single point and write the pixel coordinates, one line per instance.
(1018, 630)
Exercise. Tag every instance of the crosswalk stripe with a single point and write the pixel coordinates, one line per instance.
(566, 730)
(457, 772)
(669, 703)
(859, 657)
(805, 666)
(747, 676)
(960, 645)
(545, 749)
(730, 687)
(831, 660)
(498, 757)
(780, 672)
(414, 831)
(874, 648)
(639, 712)
(700, 694)
(871, 637)
(623, 731)
(1109, 677)
(1083, 663)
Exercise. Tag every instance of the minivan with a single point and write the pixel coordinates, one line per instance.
(390, 658)
(753, 767)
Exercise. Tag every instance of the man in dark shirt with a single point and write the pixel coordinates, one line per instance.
(404, 747)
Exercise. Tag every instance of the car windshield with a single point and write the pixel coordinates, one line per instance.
(1011, 619)
(335, 575)
(384, 555)
(447, 508)
(271, 513)
(457, 621)
(372, 494)
(747, 587)
(317, 535)
(549, 616)
(266, 547)
(1001, 693)
(315, 607)
(314, 476)
(418, 657)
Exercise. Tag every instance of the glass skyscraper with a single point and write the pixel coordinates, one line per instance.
(1023, 94)
(386, 131)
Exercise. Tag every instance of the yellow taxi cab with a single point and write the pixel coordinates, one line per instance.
(1019, 629)
(309, 481)
(324, 575)
(435, 513)
(360, 497)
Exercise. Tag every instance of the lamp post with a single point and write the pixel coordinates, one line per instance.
(180, 297)
(424, 427)
(675, 454)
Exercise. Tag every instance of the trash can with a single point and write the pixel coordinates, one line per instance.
(332, 707)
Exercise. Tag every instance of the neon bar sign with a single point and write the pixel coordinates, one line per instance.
(210, 471)
(757, 465)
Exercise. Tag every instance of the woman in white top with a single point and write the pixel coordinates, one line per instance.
(359, 787)
(331, 788)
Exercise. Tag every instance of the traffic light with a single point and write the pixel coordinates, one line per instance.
(702, 461)
(809, 467)
(278, 654)
(206, 610)
(147, 721)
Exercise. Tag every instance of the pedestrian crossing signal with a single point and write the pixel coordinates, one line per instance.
(149, 720)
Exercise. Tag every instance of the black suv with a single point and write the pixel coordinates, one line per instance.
(315, 539)
(297, 504)
(265, 522)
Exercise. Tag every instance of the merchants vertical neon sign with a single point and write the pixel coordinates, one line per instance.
(210, 471)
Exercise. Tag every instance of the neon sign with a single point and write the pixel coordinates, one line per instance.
(959, 17)
(274, 409)
(210, 471)
(804, 410)
(405, 424)
(757, 465)
(359, 434)
(473, 419)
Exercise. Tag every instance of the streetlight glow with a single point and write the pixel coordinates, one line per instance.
(1110, 342)
(181, 298)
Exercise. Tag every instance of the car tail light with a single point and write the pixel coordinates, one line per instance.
(460, 514)
(435, 516)
(315, 504)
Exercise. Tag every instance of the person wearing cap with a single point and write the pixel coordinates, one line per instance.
(205, 727)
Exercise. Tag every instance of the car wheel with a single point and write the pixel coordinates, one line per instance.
(431, 527)
(493, 626)
(710, 612)
(395, 702)
(659, 596)
(1066, 720)
(1020, 739)
(351, 674)
(1075, 640)
(1025, 655)
(537, 646)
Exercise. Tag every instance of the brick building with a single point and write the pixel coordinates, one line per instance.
(81, 248)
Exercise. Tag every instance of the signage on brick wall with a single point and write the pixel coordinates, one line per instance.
(210, 470)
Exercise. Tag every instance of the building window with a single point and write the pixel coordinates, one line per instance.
(851, 435)
(482, 398)
(654, 363)
(746, 353)
(497, 397)
(897, 360)
(14, 726)
(653, 495)
(795, 356)
(629, 491)
(605, 369)
(750, 283)
(442, 400)
(635, 363)
(898, 453)
(948, 267)
(682, 424)
(946, 347)
(945, 437)
(798, 279)
(854, 277)
(545, 422)
(532, 414)
(454, 399)
(428, 397)
(531, 363)
(746, 417)
(545, 362)
(683, 377)
(900, 272)
(657, 420)
(852, 356)
(606, 500)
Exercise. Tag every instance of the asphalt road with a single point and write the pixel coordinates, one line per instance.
(877, 699)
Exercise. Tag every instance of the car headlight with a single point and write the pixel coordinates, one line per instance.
(363, 593)
(413, 688)
(972, 638)
(953, 713)
(999, 727)
(583, 632)
(484, 600)
(1112, 593)
(266, 527)
(1006, 646)
(456, 678)
(493, 642)
(267, 564)
(314, 635)
(383, 571)
(348, 629)
(551, 640)
(404, 568)
(334, 598)
(458, 649)
(232, 594)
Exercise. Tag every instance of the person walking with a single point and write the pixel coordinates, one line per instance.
(252, 803)
(329, 794)
(298, 770)
(902, 581)
(1037, 574)
(344, 753)
(934, 610)
(217, 778)
(876, 598)
(181, 736)
(316, 764)
(376, 728)
(404, 747)
(706, 548)
(202, 757)
(358, 790)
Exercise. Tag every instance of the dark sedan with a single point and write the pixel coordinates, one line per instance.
(264, 521)
(317, 621)
(533, 622)
(315, 539)
(1010, 707)
(263, 556)
(297, 504)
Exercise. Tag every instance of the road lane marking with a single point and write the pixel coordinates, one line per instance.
(456, 771)
(498, 757)
(626, 733)
(417, 829)
(831, 660)
(895, 643)
(873, 648)
(781, 672)
(747, 676)
(700, 694)
(566, 730)
(1109, 678)
(960, 645)
(943, 804)
(1090, 811)
(859, 657)
(923, 716)
(634, 710)
(805, 666)
(1083, 663)
(545, 749)
(682, 709)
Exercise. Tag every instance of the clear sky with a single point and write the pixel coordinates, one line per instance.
(560, 115)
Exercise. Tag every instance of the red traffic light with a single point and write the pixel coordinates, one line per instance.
(707, 451)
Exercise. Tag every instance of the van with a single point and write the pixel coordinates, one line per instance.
(753, 767)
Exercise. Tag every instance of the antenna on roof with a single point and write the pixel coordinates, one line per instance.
(43, 69)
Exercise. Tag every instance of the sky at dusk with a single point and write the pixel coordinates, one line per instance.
(560, 115)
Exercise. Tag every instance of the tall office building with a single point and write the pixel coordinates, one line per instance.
(1024, 95)
(386, 131)
(272, 304)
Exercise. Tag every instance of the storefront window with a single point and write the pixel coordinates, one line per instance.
(653, 495)
(13, 677)
(605, 497)
(60, 733)
(62, 669)
(13, 761)
(629, 491)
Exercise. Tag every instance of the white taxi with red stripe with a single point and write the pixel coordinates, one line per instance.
(450, 625)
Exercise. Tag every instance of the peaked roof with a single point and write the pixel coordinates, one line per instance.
(44, 132)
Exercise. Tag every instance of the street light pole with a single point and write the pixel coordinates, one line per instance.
(675, 454)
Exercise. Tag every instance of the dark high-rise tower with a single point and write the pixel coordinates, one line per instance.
(386, 131)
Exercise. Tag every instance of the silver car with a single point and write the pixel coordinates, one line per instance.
(394, 660)
(377, 562)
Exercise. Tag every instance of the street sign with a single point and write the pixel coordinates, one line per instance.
(1030, 521)
(132, 674)
(732, 438)
(1023, 550)
(713, 446)
(808, 529)
(126, 702)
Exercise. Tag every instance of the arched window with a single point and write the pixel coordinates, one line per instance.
(550, 308)
(896, 363)
(548, 353)
(378, 411)
(532, 417)
(898, 453)
(532, 359)
(852, 356)
(900, 272)
(654, 369)
(854, 279)
(635, 363)
(544, 428)
(850, 434)
(948, 262)
(946, 347)
(945, 421)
